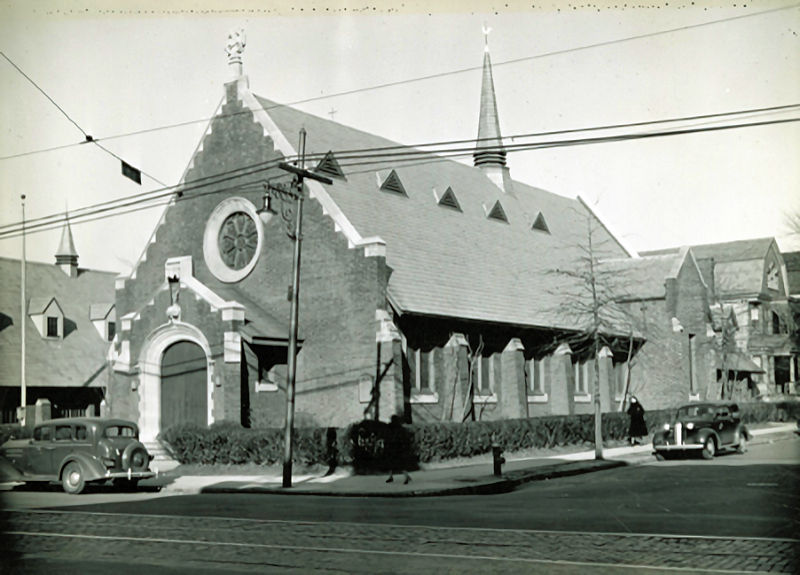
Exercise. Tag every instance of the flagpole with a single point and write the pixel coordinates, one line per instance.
(23, 313)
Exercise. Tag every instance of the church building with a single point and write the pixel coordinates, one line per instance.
(429, 288)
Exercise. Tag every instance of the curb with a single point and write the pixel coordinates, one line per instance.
(507, 483)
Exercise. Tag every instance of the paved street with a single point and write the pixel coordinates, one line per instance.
(734, 514)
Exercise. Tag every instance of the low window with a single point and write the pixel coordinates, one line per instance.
(581, 378)
(536, 377)
(421, 368)
(112, 330)
(52, 327)
(483, 375)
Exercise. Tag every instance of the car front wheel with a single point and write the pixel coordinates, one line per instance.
(709, 448)
(72, 478)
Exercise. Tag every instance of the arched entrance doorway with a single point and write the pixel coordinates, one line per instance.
(184, 384)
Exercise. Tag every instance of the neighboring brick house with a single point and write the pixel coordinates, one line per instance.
(667, 300)
(750, 277)
(427, 285)
(69, 322)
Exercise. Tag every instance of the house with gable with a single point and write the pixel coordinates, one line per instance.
(426, 284)
(687, 336)
(750, 278)
(69, 319)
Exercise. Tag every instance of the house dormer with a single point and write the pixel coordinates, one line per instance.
(47, 316)
(104, 318)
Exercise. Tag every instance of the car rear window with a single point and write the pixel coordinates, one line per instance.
(696, 411)
(80, 432)
(120, 431)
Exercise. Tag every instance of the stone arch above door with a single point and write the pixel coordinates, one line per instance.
(150, 373)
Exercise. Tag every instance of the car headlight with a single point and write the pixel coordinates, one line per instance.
(666, 427)
(690, 426)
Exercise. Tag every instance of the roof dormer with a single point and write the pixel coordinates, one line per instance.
(47, 316)
(104, 318)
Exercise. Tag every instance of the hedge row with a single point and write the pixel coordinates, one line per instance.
(229, 443)
(373, 446)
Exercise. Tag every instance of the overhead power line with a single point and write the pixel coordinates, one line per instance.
(87, 138)
(391, 84)
(407, 158)
(403, 150)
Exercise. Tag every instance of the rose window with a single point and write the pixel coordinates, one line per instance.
(238, 240)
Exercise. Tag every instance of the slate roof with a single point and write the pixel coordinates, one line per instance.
(739, 250)
(640, 278)
(738, 265)
(450, 263)
(792, 261)
(77, 360)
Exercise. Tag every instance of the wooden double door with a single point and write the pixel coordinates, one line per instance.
(184, 385)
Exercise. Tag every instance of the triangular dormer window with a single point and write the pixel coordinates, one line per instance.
(497, 213)
(329, 166)
(449, 200)
(393, 184)
(540, 224)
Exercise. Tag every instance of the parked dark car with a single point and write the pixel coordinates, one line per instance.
(76, 451)
(704, 428)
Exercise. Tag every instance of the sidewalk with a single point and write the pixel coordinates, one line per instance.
(475, 478)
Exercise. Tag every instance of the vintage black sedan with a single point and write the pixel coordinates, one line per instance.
(76, 451)
(704, 428)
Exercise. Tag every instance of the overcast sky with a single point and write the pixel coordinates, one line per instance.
(122, 67)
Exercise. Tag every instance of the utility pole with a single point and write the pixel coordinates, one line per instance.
(288, 194)
(21, 416)
(598, 413)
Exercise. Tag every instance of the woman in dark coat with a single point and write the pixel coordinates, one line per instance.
(638, 428)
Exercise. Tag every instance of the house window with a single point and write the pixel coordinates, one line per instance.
(483, 375)
(692, 364)
(581, 377)
(754, 313)
(422, 373)
(112, 330)
(620, 378)
(536, 377)
(52, 327)
(421, 367)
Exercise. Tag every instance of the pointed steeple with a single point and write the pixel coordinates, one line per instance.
(489, 153)
(67, 255)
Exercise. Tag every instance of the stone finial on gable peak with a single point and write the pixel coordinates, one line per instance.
(235, 48)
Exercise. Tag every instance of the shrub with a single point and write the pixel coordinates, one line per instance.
(229, 443)
(372, 446)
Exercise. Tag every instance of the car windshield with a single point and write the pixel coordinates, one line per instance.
(695, 411)
(120, 431)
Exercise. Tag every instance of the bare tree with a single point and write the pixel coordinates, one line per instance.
(588, 299)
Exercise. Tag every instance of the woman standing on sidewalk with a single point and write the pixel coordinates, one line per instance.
(638, 427)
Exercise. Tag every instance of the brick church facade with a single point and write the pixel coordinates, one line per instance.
(430, 289)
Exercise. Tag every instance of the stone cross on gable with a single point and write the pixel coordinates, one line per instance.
(235, 46)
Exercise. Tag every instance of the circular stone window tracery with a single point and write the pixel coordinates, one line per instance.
(238, 240)
(233, 239)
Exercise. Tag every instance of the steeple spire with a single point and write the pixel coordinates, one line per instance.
(67, 255)
(489, 153)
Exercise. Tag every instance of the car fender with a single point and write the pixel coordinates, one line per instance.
(705, 433)
(91, 466)
(9, 471)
